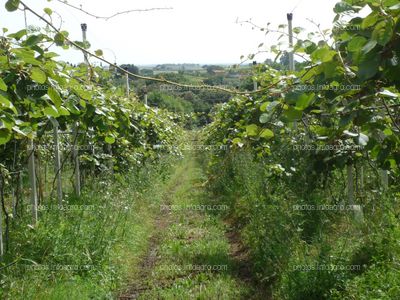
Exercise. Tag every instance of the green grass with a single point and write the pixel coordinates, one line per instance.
(193, 242)
(109, 239)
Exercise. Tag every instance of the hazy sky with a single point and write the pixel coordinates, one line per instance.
(192, 32)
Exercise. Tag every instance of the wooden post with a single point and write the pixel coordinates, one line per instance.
(32, 180)
(77, 185)
(57, 161)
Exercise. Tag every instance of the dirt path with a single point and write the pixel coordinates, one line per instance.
(160, 226)
(192, 254)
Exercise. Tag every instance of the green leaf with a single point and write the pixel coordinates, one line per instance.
(264, 106)
(349, 133)
(369, 46)
(383, 32)
(63, 111)
(26, 56)
(59, 39)
(7, 104)
(48, 11)
(252, 130)
(33, 40)
(293, 114)
(356, 44)
(323, 55)
(3, 85)
(110, 139)
(17, 130)
(342, 7)
(330, 69)
(304, 101)
(395, 7)
(389, 94)
(264, 118)
(370, 20)
(54, 96)
(369, 67)
(5, 136)
(18, 35)
(84, 45)
(363, 139)
(267, 133)
(82, 93)
(12, 5)
(99, 52)
(236, 141)
(51, 111)
(38, 75)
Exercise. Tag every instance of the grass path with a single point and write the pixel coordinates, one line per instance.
(191, 254)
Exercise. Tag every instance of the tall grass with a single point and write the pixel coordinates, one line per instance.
(305, 253)
(87, 248)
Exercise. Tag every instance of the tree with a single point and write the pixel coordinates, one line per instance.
(131, 68)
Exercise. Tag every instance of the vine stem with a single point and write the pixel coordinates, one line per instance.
(113, 15)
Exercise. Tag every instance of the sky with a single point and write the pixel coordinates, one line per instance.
(203, 32)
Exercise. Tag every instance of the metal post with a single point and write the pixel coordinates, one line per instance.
(291, 53)
(84, 30)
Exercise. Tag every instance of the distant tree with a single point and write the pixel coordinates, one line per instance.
(284, 61)
(214, 80)
(147, 72)
(212, 68)
(131, 68)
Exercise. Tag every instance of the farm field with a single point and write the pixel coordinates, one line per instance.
(274, 178)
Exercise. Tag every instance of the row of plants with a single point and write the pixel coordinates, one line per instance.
(91, 246)
(311, 170)
(124, 149)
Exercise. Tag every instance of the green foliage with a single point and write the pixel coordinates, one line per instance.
(91, 246)
(288, 147)
(169, 102)
(35, 88)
